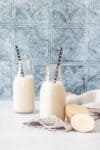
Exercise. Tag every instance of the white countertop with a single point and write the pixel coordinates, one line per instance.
(14, 136)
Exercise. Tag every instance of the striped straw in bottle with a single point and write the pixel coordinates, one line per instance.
(58, 65)
(19, 60)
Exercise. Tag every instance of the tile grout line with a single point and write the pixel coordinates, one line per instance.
(13, 43)
(50, 30)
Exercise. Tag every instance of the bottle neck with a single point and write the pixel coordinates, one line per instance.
(50, 73)
(20, 70)
(24, 68)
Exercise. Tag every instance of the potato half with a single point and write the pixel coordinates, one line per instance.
(82, 123)
(73, 109)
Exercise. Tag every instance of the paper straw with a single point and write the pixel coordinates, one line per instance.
(19, 60)
(58, 64)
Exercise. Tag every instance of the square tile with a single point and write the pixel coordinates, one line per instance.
(94, 12)
(74, 78)
(94, 43)
(73, 40)
(6, 11)
(69, 11)
(33, 43)
(5, 43)
(93, 76)
(5, 79)
(32, 12)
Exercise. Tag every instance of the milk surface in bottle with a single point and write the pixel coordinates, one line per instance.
(23, 90)
(52, 99)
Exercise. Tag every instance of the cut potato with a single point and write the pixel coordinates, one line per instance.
(73, 109)
(82, 123)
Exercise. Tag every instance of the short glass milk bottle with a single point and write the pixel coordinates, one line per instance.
(52, 95)
(23, 88)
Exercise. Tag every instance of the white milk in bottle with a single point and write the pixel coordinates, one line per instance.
(23, 90)
(52, 99)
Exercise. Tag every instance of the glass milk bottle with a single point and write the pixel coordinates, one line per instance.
(23, 89)
(52, 95)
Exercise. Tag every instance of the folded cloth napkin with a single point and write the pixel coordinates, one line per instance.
(51, 122)
(87, 97)
(90, 100)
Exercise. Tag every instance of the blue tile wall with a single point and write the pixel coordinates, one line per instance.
(5, 78)
(39, 28)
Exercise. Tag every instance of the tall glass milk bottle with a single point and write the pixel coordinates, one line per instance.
(52, 96)
(23, 89)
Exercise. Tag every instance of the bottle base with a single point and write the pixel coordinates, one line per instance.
(23, 112)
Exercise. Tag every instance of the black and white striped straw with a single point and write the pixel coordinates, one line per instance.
(58, 65)
(19, 60)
